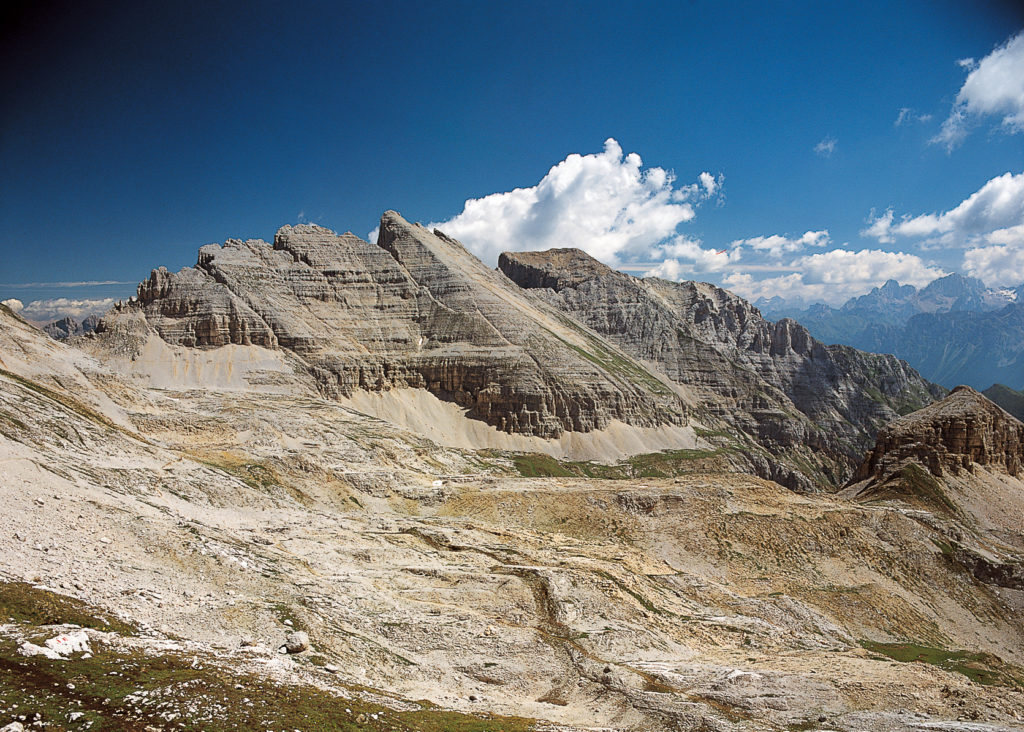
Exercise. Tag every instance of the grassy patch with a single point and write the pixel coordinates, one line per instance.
(536, 465)
(644, 602)
(665, 464)
(668, 463)
(707, 434)
(262, 477)
(982, 668)
(117, 690)
(129, 689)
(946, 548)
(916, 485)
(917, 481)
(612, 363)
(21, 602)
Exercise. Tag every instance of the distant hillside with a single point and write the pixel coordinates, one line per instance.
(1009, 399)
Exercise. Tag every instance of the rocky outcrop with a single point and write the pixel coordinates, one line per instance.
(963, 430)
(416, 309)
(820, 405)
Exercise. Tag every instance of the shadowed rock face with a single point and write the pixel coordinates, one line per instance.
(68, 327)
(948, 436)
(771, 380)
(415, 309)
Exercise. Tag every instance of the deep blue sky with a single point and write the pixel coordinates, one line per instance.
(133, 133)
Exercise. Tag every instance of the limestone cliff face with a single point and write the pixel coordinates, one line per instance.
(415, 309)
(793, 394)
(949, 436)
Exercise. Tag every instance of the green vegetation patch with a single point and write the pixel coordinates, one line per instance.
(665, 464)
(21, 602)
(131, 689)
(916, 485)
(610, 362)
(536, 465)
(644, 602)
(116, 690)
(918, 482)
(982, 668)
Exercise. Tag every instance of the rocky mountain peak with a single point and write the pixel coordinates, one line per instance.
(553, 269)
(954, 285)
(773, 381)
(954, 434)
(68, 327)
(414, 310)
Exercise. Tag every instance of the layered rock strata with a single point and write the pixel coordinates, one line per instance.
(949, 436)
(792, 393)
(416, 309)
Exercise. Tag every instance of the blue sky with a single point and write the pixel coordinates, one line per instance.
(133, 133)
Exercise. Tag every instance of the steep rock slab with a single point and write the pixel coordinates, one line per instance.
(805, 401)
(414, 310)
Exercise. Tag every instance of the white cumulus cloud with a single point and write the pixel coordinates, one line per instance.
(1001, 262)
(60, 307)
(994, 87)
(14, 304)
(776, 246)
(997, 205)
(605, 203)
(836, 276)
(685, 257)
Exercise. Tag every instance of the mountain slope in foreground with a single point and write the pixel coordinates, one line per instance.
(193, 529)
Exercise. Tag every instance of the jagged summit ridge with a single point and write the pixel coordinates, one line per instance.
(813, 404)
(416, 309)
(951, 435)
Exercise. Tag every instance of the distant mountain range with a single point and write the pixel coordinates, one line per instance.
(68, 327)
(954, 331)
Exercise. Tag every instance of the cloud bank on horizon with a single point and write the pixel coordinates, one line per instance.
(629, 216)
(988, 225)
(610, 206)
(45, 311)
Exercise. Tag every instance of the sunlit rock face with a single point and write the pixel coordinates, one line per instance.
(793, 394)
(416, 309)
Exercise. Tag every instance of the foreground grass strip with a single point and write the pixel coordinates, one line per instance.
(21, 602)
(131, 690)
(122, 687)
